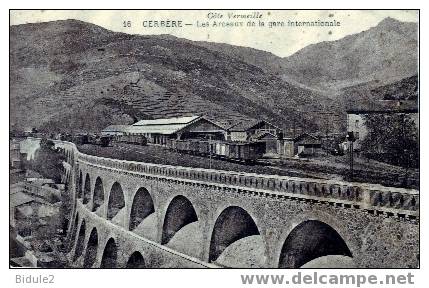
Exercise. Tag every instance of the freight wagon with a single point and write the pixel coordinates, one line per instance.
(132, 139)
(235, 151)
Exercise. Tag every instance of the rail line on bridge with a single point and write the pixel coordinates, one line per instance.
(276, 208)
(376, 199)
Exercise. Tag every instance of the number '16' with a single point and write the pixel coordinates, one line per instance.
(127, 23)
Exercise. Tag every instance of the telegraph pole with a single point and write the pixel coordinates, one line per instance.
(329, 121)
(351, 161)
(351, 138)
(210, 151)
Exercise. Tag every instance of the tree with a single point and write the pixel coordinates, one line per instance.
(392, 138)
(48, 161)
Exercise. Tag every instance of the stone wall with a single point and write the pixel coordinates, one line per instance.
(378, 224)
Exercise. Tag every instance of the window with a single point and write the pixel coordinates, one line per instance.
(357, 124)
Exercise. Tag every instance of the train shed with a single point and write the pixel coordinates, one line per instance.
(160, 131)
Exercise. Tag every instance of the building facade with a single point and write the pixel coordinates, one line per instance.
(307, 145)
(356, 117)
(251, 130)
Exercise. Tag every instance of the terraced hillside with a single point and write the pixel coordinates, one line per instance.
(71, 75)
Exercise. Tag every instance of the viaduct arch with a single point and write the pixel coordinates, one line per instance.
(136, 261)
(79, 187)
(299, 220)
(309, 240)
(98, 195)
(87, 189)
(73, 232)
(80, 241)
(233, 223)
(180, 212)
(110, 255)
(142, 206)
(116, 201)
(91, 249)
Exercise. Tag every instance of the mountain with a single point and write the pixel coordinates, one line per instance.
(383, 54)
(366, 93)
(267, 61)
(70, 75)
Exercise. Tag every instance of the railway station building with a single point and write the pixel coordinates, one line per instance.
(251, 130)
(256, 131)
(358, 114)
(160, 131)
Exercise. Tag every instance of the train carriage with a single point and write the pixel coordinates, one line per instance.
(132, 139)
(204, 148)
(178, 145)
(81, 139)
(246, 151)
(227, 149)
(221, 149)
(171, 144)
(193, 146)
(217, 148)
(182, 145)
(235, 151)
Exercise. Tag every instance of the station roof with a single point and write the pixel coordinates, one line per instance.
(164, 126)
(167, 121)
(244, 125)
(307, 139)
(265, 135)
(116, 128)
(247, 125)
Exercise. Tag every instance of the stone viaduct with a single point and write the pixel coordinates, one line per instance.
(295, 219)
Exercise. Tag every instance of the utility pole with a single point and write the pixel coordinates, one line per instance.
(296, 117)
(210, 151)
(405, 156)
(328, 117)
(351, 138)
(351, 160)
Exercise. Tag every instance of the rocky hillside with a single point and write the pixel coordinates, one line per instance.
(383, 54)
(403, 89)
(71, 75)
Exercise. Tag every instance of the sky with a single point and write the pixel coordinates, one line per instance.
(280, 40)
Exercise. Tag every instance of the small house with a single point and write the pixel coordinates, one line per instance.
(285, 147)
(307, 144)
(270, 140)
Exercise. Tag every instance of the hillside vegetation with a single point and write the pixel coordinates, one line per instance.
(74, 76)
(70, 75)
